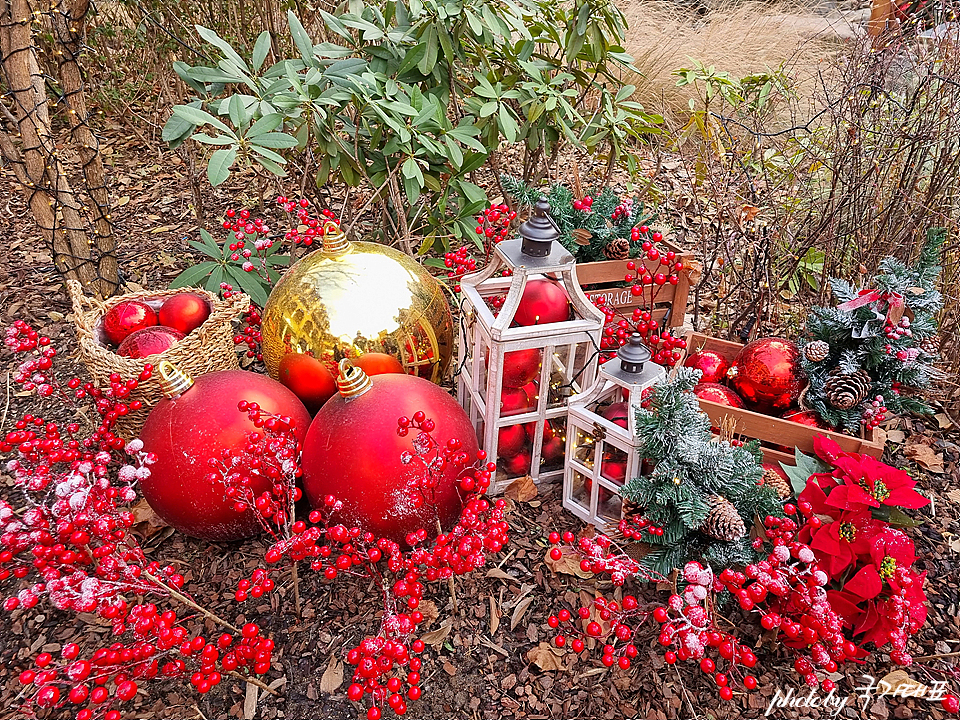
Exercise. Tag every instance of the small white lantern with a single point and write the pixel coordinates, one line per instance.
(514, 381)
(602, 435)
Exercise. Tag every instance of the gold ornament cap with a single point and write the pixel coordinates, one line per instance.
(173, 381)
(334, 240)
(352, 381)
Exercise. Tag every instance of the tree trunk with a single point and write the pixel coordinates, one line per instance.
(33, 154)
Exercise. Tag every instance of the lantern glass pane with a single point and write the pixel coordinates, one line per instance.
(554, 443)
(580, 490)
(609, 505)
(613, 466)
(513, 449)
(584, 448)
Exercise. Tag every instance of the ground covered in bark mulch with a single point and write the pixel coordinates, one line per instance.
(477, 664)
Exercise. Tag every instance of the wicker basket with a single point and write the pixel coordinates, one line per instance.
(208, 348)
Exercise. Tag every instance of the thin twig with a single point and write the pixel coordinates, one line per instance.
(253, 681)
(187, 601)
(939, 656)
(6, 407)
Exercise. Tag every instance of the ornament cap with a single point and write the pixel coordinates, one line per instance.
(174, 382)
(633, 354)
(352, 381)
(538, 232)
(334, 239)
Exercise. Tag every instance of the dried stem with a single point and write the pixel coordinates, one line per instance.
(187, 601)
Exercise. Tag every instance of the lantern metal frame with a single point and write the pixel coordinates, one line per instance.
(572, 348)
(593, 440)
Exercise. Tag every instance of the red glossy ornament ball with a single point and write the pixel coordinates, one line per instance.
(711, 364)
(308, 378)
(516, 401)
(378, 363)
(521, 367)
(184, 432)
(543, 302)
(767, 374)
(511, 440)
(617, 414)
(714, 392)
(808, 418)
(614, 470)
(149, 341)
(553, 450)
(353, 452)
(517, 465)
(184, 312)
(126, 318)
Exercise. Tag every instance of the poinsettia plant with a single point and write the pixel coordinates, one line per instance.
(852, 504)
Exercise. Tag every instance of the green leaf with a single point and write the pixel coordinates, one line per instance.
(218, 169)
(211, 37)
(260, 49)
(265, 124)
(411, 170)
(194, 274)
(205, 249)
(301, 38)
(411, 59)
(201, 117)
(430, 56)
(434, 262)
(271, 166)
(249, 283)
(800, 473)
(454, 153)
(895, 516)
(275, 140)
(473, 161)
(473, 193)
(237, 111)
(508, 124)
(213, 140)
(208, 240)
(216, 277)
(184, 71)
(269, 154)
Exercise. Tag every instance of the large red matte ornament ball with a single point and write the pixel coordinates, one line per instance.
(711, 364)
(543, 302)
(184, 312)
(126, 318)
(149, 341)
(767, 374)
(353, 452)
(521, 367)
(308, 378)
(186, 430)
(714, 392)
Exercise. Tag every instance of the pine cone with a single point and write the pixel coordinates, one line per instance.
(723, 522)
(930, 345)
(617, 249)
(846, 390)
(817, 350)
(772, 479)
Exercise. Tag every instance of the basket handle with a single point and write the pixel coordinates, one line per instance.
(82, 304)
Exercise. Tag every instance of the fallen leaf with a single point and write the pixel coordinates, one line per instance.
(122, 201)
(162, 228)
(954, 496)
(145, 521)
(925, 456)
(494, 616)
(896, 436)
(943, 420)
(955, 545)
(250, 702)
(519, 611)
(449, 668)
(428, 608)
(522, 489)
(332, 677)
(569, 563)
(748, 213)
(901, 683)
(545, 657)
(500, 574)
(436, 637)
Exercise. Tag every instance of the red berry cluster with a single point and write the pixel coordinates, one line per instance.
(253, 231)
(432, 460)
(633, 528)
(599, 555)
(622, 213)
(380, 661)
(458, 264)
(250, 334)
(583, 205)
(273, 455)
(494, 223)
(666, 348)
(313, 226)
(875, 412)
(33, 373)
(603, 620)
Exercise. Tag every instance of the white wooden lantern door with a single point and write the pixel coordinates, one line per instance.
(568, 356)
(601, 453)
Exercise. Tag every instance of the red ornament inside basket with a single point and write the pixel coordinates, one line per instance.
(182, 312)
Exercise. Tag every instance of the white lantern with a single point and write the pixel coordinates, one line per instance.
(602, 435)
(514, 380)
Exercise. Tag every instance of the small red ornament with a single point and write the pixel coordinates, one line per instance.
(516, 401)
(511, 441)
(617, 414)
(767, 374)
(809, 418)
(308, 378)
(553, 450)
(614, 470)
(721, 394)
(518, 464)
(197, 421)
(543, 302)
(126, 318)
(353, 452)
(184, 312)
(375, 363)
(149, 341)
(711, 364)
(521, 367)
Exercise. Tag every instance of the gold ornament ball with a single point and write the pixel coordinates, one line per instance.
(351, 298)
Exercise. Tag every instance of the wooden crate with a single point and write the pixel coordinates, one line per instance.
(606, 278)
(773, 430)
